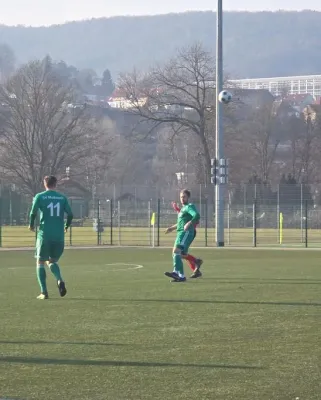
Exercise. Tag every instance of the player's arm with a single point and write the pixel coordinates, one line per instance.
(69, 215)
(171, 229)
(33, 213)
(192, 211)
(175, 207)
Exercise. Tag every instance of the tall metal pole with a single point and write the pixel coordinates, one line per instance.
(220, 186)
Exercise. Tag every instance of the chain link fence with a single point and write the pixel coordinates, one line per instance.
(255, 215)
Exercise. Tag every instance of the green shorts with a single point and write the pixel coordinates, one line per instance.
(184, 240)
(48, 249)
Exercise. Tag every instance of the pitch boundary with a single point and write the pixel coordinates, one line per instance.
(226, 248)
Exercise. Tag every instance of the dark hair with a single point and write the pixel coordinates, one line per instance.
(187, 192)
(51, 181)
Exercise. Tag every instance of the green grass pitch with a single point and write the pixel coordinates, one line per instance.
(248, 330)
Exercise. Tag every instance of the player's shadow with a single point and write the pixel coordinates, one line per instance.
(265, 303)
(38, 342)
(109, 363)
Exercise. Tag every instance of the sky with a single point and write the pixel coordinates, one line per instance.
(49, 12)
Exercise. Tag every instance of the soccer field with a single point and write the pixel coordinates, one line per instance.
(249, 329)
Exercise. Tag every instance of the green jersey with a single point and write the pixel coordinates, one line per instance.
(53, 206)
(188, 213)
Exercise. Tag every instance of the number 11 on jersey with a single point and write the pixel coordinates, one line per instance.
(52, 208)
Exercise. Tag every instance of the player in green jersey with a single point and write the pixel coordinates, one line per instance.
(51, 234)
(187, 219)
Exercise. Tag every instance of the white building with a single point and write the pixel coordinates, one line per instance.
(309, 84)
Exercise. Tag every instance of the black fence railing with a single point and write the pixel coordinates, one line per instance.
(133, 223)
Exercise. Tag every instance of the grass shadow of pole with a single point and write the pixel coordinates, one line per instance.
(110, 363)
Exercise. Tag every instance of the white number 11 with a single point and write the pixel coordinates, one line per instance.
(52, 207)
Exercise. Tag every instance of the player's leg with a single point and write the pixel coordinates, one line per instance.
(41, 257)
(182, 240)
(190, 259)
(197, 272)
(56, 251)
(194, 262)
(178, 263)
(178, 274)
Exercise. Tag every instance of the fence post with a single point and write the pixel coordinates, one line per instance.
(111, 221)
(301, 201)
(10, 206)
(70, 228)
(206, 222)
(98, 222)
(158, 222)
(200, 208)
(228, 224)
(119, 233)
(306, 223)
(244, 205)
(254, 225)
(149, 222)
(278, 214)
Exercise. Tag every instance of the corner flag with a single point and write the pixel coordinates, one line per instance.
(152, 221)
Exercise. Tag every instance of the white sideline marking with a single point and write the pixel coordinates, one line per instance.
(130, 267)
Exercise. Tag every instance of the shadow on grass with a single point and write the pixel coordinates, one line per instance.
(60, 342)
(107, 363)
(263, 303)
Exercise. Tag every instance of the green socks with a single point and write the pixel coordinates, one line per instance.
(54, 268)
(41, 275)
(178, 265)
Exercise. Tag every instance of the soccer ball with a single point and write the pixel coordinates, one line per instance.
(225, 97)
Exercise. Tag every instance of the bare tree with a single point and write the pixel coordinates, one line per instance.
(308, 146)
(261, 138)
(180, 95)
(41, 131)
(116, 160)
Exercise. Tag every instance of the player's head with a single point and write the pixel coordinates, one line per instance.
(185, 196)
(50, 182)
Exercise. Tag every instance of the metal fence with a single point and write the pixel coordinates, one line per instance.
(255, 215)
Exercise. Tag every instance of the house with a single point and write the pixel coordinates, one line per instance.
(255, 98)
(317, 100)
(283, 109)
(299, 101)
(96, 100)
(119, 99)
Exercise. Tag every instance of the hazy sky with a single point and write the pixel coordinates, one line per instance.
(47, 12)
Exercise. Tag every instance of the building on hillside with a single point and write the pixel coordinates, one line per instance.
(308, 84)
(96, 100)
(284, 110)
(255, 98)
(119, 100)
(317, 100)
(299, 101)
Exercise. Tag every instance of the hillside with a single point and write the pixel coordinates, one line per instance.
(256, 44)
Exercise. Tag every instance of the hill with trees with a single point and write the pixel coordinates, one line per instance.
(256, 44)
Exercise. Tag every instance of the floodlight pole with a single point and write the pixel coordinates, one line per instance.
(220, 183)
